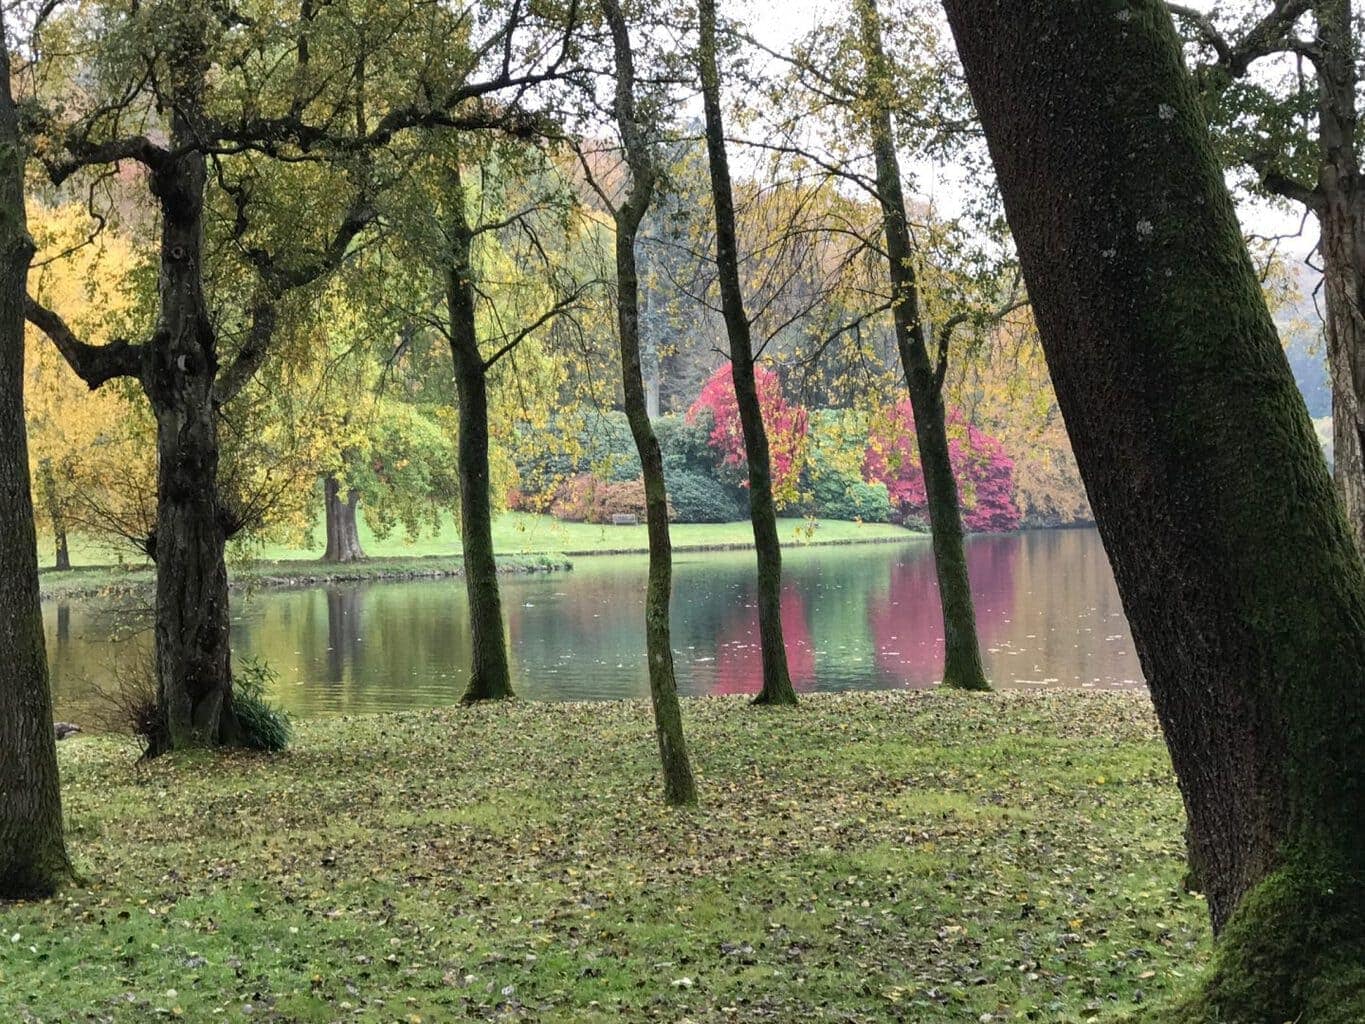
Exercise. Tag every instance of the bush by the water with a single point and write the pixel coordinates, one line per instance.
(847, 496)
(264, 726)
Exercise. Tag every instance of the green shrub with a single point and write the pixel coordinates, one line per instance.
(835, 495)
(611, 448)
(264, 726)
(686, 446)
(702, 499)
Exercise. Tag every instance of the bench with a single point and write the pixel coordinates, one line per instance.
(625, 519)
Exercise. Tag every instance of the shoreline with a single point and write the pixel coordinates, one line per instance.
(116, 581)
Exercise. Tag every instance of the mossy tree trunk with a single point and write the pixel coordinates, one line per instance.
(679, 785)
(1339, 203)
(777, 684)
(343, 527)
(193, 659)
(962, 667)
(1235, 563)
(33, 859)
(489, 676)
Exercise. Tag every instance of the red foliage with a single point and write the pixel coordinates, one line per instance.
(786, 425)
(985, 474)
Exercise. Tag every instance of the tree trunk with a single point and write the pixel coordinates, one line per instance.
(777, 684)
(48, 487)
(1236, 567)
(1341, 218)
(489, 676)
(33, 858)
(193, 663)
(679, 785)
(962, 652)
(343, 531)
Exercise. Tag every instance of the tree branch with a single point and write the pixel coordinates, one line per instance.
(94, 364)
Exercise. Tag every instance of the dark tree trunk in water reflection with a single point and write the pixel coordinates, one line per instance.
(777, 684)
(1236, 566)
(679, 786)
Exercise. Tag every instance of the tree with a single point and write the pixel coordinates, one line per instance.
(786, 426)
(179, 366)
(33, 858)
(777, 685)
(90, 454)
(1265, 82)
(1236, 566)
(277, 120)
(962, 668)
(679, 785)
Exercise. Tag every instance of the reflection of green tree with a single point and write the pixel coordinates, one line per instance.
(839, 591)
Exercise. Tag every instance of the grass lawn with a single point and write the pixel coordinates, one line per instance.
(523, 542)
(874, 857)
(521, 533)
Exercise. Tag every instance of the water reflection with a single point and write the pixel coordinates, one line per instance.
(855, 618)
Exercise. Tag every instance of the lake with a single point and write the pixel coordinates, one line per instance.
(857, 617)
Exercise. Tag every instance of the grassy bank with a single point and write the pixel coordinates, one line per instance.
(918, 857)
(523, 542)
(95, 580)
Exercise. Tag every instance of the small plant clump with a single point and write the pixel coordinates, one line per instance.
(264, 726)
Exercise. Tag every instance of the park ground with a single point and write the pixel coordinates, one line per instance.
(522, 541)
(917, 857)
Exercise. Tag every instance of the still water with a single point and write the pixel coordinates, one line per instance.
(859, 617)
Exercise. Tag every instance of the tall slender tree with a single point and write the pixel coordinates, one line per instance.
(924, 377)
(1234, 561)
(679, 786)
(777, 684)
(489, 675)
(33, 859)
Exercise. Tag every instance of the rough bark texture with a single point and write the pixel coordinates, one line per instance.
(962, 667)
(489, 677)
(1235, 564)
(32, 849)
(343, 530)
(193, 662)
(777, 684)
(1340, 198)
(679, 785)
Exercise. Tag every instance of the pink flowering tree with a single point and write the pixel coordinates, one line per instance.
(985, 474)
(786, 424)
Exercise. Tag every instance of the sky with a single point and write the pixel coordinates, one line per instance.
(777, 23)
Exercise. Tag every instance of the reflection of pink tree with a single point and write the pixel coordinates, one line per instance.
(985, 474)
(907, 630)
(739, 659)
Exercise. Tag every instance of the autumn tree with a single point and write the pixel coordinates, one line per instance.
(1236, 566)
(285, 166)
(33, 859)
(90, 456)
(777, 685)
(639, 150)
